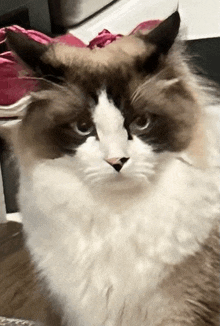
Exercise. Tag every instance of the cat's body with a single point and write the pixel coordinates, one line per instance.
(109, 262)
(119, 188)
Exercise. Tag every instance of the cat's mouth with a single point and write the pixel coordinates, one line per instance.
(104, 176)
(120, 181)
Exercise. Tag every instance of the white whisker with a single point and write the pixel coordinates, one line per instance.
(143, 175)
(91, 169)
(96, 176)
(101, 173)
(144, 164)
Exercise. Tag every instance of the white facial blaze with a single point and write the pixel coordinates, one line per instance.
(109, 123)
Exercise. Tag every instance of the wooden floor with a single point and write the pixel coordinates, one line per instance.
(20, 296)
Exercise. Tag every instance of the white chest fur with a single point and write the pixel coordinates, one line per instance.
(98, 250)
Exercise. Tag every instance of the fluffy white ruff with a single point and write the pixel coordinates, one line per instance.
(98, 249)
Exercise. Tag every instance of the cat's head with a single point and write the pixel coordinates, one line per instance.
(114, 113)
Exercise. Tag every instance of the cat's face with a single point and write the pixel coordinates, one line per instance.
(113, 113)
(111, 152)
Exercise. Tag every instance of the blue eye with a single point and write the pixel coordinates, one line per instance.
(141, 123)
(83, 128)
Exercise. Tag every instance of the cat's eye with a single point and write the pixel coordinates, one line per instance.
(83, 128)
(141, 123)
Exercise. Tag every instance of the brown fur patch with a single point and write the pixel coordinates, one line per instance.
(125, 50)
(192, 290)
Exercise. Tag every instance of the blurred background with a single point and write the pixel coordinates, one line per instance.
(85, 18)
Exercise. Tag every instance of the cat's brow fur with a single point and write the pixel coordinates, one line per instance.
(137, 247)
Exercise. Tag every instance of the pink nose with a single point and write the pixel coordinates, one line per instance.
(117, 162)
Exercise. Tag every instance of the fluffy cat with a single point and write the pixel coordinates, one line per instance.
(119, 186)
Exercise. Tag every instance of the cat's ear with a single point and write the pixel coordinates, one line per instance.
(164, 35)
(34, 55)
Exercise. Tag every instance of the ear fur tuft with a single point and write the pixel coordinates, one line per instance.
(164, 35)
(28, 50)
(32, 54)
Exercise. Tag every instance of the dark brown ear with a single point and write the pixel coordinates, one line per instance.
(31, 53)
(164, 35)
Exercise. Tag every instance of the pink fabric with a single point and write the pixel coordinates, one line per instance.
(37, 36)
(70, 40)
(103, 39)
(15, 82)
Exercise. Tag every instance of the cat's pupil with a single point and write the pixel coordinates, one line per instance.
(83, 127)
(141, 122)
